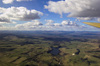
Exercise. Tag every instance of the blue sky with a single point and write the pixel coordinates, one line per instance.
(49, 13)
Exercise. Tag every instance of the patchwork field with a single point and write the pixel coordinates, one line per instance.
(33, 48)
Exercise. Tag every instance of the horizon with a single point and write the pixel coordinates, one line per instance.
(49, 33)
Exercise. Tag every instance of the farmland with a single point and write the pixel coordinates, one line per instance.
(23, 48)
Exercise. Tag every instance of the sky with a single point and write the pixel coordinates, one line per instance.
(49, 15)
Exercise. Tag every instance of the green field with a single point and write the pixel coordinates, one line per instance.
(34, 51)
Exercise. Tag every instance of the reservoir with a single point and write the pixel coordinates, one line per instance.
(54, 51)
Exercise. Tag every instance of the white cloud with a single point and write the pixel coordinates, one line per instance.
(11, 1)
(2, 10)
(56, 7)
(65, 22)
(75, 8)
(37, 25)
(7, 1)
(18, 13)
(28, 25)
(49, 24)
(57, 24)
(68, 23)
(23, 0)
(49, 21)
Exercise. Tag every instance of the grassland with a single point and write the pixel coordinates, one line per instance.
(26, 50)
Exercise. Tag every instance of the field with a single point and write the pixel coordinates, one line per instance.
(32, 48)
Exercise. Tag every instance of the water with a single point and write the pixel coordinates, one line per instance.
(54, 51)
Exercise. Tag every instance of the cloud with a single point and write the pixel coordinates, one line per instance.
(37, 25)
(11, 1)
(57, 24)
(49, 21)
(65, 22)
(98, 19)
(56, 7)
(18, 13)
(86, 18)
(7, 1)
(1, 25)
(49, 24)
(28, 25)
(69, 23)
(5, 20)
(75, 8)
(23, 0)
